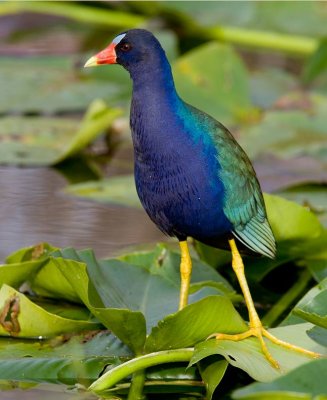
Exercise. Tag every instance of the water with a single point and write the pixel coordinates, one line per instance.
(34, 209)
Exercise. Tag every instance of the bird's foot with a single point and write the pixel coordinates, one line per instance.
(260, 332)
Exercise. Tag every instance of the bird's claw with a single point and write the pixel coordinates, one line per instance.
(260, 332)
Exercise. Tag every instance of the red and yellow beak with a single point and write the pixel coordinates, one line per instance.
(106, 56)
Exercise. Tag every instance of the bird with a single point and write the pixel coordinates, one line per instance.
(192, 177)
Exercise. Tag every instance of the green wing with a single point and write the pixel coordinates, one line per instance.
(243, 204)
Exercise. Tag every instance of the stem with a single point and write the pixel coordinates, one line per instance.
(136, 388)
(115, 375)
(78, 12)
(300, 45)
(287, 299)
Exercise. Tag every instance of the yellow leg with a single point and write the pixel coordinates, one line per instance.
(255, 325)
(186, 270)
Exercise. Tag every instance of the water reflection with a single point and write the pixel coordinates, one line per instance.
(34, 209)
(48, 392)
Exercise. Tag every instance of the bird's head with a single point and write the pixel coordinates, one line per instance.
(133, 49)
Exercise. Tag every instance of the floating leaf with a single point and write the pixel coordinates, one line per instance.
(127, 325)
(21, 317)
(279, 174)
(308, 381)
(15, 274)
(293, 226)
(319, 335)
(310, 196)
(318, 268)
(289, 133)
(294, 317)
(62, 360)
(117, 190)
(303, 18)
(195, 323)
(268, 85)
(165, 262)
(51, 84)
(315, 310)
(218, 86)
(46, 141)
(247, 354)
(212, 374)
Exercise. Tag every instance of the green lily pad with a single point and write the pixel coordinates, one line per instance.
(306, 382)
(212, 374)
(289, 133)
(319, 335)
(213, 78)
(294, 317)
(47, 141)
(77, 358)
(310, 196)
(195, 323)
(117, 190)
(268, 85)
(23, 318)
(302, 18)
(52, 84)
(127, 325)
(248, 356)
(315, 310)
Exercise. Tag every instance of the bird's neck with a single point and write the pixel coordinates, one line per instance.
(153, 84)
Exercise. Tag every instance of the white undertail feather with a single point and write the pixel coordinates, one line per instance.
(257, 236)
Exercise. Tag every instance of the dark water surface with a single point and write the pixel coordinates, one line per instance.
(34, 209)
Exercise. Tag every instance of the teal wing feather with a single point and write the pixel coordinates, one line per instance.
(243, 203)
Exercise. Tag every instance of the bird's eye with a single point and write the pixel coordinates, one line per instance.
(125, 47)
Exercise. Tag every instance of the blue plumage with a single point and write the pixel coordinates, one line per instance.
(192, 177)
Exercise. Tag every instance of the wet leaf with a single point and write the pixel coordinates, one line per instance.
(293, 226)
(308, 381)
(288, 134)
(309, 196)
(218, 86)
(17, 273)
(127, 325)
(315, 310)
(268, 85)
(303, 18)
(319, 335)
(62, 360)
(194, 323)
(51, 283)
(247, 354)
(212, 374)
(318, 268)
(294, 317)
(166, 263)
(51, 84)
(280, 174)
(22, 318)
(146, 288)
(117, 190)
(47, 141)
